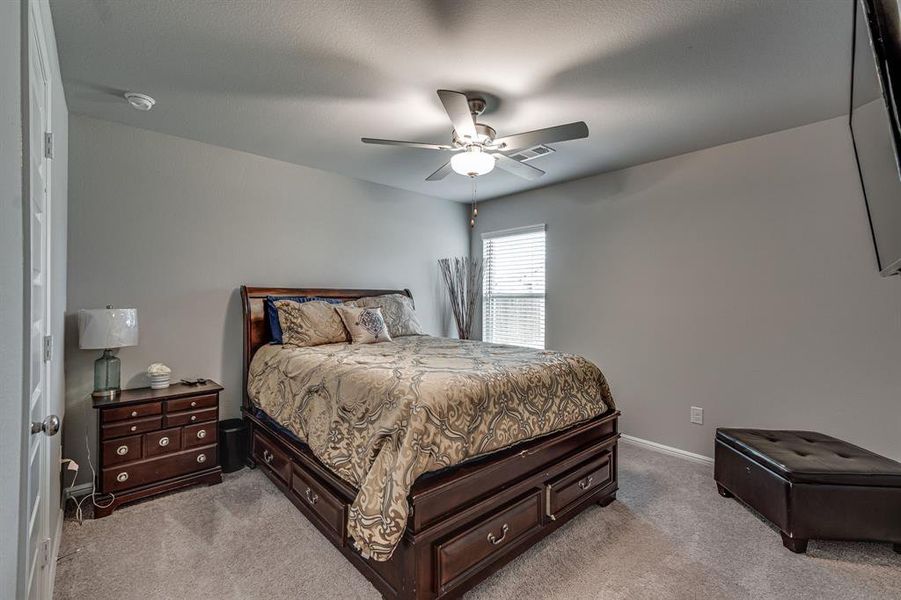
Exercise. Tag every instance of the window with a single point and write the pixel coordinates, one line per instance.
(513, 287)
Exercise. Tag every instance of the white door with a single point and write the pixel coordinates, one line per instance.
(38, 504)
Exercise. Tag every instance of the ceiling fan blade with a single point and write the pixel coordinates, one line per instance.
(560, 133)
(457, 107)
(517, 168)
(440, 173)
(422, 145)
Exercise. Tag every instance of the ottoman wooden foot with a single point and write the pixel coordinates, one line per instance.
(723, 491)
(796, 545)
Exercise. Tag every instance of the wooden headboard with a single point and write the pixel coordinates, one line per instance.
(256, 326)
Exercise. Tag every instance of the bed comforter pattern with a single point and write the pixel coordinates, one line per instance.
(380, 415)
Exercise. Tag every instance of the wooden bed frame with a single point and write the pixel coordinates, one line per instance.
(465, 522)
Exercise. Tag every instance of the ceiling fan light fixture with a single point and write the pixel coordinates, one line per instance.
(472, 163)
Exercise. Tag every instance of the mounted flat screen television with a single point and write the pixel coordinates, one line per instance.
(875, 126)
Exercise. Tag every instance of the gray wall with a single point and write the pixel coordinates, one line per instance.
(173, 227)
(11, 279)
(740, 278)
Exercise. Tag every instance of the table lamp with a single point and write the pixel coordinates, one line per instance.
(105, 329)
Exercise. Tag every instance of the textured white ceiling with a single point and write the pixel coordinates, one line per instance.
(302, 81)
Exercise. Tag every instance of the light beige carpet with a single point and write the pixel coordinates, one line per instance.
(668, 536)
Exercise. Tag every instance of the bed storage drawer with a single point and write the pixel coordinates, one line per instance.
(570, 487)
(268, 453)
(473, 548)
(154, 469)
(321, 501)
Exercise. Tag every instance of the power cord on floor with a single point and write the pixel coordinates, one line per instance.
(79, 515)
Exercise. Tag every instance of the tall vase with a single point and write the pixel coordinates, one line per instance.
(463, 280)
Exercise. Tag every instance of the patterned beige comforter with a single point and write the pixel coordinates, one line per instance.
(380, 415)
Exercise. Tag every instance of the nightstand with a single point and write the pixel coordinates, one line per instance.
(155, 441)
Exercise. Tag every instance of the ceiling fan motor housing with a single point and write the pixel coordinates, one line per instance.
(486, 135)
(477, 105)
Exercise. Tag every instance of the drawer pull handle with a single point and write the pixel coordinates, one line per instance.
(122, 450)
(134, 427)
(193, 404)
(201, 458)
(586, 483)
(164, 441)
(497, 540)
(311, 497)
(201, 434)
(123, 476)
(193, 417)
(134, 413)
(267, 456)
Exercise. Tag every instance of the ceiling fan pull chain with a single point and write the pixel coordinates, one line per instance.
(475, 208)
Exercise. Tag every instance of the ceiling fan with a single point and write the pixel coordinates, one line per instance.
(476, 147)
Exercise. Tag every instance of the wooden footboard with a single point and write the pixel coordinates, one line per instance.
(466, 522)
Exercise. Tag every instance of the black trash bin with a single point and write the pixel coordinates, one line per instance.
(233, 444)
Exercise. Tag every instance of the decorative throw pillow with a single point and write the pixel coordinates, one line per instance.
(310, 323)
(366, 325)
(400, 316)
(272, 313)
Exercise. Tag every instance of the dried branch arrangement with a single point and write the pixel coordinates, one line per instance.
(463, 279)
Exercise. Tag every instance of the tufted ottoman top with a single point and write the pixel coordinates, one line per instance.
(809, 457)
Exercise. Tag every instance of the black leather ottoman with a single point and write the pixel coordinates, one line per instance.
(810, 485)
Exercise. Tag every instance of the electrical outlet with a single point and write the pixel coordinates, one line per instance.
(697, 415)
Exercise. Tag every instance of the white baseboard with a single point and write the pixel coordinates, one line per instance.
(683, 454)
(81, 489)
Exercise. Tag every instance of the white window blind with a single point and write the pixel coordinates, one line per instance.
(513, 287)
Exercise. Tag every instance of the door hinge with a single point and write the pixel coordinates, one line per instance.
(48, 348)
(45, 552)
(48, 144)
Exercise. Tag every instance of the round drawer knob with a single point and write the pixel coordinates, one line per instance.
(123, 476)
(122, 450)
(164, 441)
(201, 434)
(193, 417)
(201, 458)
(134, 413)
(134, 427)
(193, 404)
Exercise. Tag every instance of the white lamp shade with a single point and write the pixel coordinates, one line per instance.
(103, 328)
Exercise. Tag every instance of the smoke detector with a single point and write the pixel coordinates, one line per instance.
(140, 101)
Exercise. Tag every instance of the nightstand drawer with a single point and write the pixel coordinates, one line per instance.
(135, 411)
(192, 402)
(129, 427)
(190, 417)
(162, 442)
(198, 435)
(122, 450)
(156, 469)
